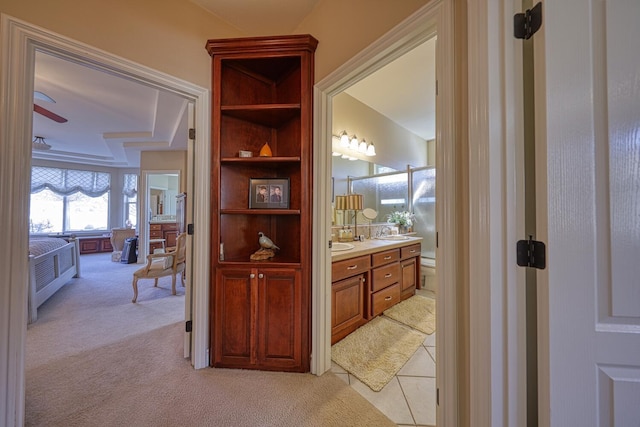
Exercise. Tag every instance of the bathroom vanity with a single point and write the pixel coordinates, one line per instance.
(369, 277)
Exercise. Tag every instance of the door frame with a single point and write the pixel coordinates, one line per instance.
(436, 16)
(19, 41)
(496, 289)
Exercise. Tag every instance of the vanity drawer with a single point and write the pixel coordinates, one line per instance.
(385, 257)
(350, 267)
(384, 299)
(385, 276)
(155, 234)
(155, 227)
(410, 251)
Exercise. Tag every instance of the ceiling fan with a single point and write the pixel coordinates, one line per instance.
(45, 112)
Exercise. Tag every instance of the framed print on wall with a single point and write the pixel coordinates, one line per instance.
(269, 193)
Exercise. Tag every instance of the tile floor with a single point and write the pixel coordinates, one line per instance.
(410, 397)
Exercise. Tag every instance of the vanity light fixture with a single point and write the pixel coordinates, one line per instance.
(371, 150)
(344, 139)
(363, 146)
(354, 143)
(351, 143)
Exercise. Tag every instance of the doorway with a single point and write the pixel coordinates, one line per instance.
(393, 108)
(423, 25)
(19, 43)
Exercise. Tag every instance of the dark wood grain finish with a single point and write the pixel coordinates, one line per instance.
(385, 257)
(384, 299)
(262, 93)
(348, 303)
(409, 276)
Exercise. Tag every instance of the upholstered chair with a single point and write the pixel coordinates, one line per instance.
(118, 236)
(159, 265)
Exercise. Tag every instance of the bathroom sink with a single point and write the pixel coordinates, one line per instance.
(394, 237)
(335, 247)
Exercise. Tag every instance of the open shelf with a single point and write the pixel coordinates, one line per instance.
(261, 93)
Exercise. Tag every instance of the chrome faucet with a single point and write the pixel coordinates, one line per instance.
(384, 231)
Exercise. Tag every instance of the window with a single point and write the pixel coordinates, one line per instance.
(130, 194)
(66, 200)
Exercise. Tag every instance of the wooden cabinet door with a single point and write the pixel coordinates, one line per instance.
(234, 326)
(409, 277)
(348, 306)
(260, 319)
(283, 328)
(170, 238)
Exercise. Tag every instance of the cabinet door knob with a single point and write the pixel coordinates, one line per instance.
(260, 276)
(252, 276)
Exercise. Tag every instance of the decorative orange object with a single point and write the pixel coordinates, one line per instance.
(265, 151)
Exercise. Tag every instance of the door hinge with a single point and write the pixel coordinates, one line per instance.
(526, 24)
(531, 253)
(188, 327)
(192, 133)
(190, 229)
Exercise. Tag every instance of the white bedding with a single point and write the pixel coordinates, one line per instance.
(42, 245)
(52, 263)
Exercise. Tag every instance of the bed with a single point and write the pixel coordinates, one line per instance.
(52, 263)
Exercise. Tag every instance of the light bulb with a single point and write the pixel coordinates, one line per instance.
(371, 150)
(354, 143)
(363, 146)
(344, 139)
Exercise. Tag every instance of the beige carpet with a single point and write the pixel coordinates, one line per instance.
(375, 352)
(418, 312)
(96, 359)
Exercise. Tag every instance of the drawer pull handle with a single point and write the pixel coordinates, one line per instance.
(413, 250)
(352, 267)
(387, 257)
(387, 298)
(386, 276)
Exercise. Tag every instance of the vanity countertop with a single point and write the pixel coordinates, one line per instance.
(370, 246)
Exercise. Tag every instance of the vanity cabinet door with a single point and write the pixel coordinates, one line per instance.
(348, 306)
(409, 277)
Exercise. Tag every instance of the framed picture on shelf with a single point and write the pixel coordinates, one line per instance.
(268, 193)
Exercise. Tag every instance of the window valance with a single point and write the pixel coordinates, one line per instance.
(65, 182)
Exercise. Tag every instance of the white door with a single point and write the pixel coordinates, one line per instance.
(588, 193)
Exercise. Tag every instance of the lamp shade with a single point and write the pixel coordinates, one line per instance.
(355, 202)
(341, 203)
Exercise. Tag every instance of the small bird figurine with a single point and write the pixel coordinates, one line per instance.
(266, 242)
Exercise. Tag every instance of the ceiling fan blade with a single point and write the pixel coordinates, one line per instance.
(49, 114)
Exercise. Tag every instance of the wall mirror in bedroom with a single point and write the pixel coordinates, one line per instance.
(161, 190)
